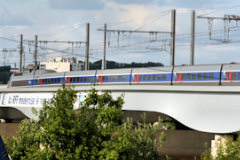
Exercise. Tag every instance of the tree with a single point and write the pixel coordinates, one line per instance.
(229, 150)
(96, 130)
(112, 65)
(26, 143)
(4, 74)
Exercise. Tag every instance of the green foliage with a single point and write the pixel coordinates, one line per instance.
(26, 143)
(5, 68)
(96, 130)
(4, 74)
(230, 150)
(112, 65)
(130, 142)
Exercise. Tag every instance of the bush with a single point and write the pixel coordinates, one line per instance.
(230, 150)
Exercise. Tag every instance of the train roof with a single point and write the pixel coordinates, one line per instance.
(231, 67)
(214, 67)
(153, 69)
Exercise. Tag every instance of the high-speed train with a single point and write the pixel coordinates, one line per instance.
(219, 74)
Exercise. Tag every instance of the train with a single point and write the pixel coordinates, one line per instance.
(215, 74)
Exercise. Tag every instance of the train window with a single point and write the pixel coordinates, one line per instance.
(115, 78)
(81, 79)
(48, 81)
(58, 80)
(188, 76)
(183, 76)
(105, 78)
(144, 77)
(89, 79)
(205, 75)
(149, 77)
(154, 77)
(211, 76)
(238, 75)
(164, 77)
(124, 78)
(111, 78)
(94, 79)
(199, 75)
(140, 77)
(159, 77)
(119, 78)
(234, 75)
(77, 79)
(194, 76)
(85, 79)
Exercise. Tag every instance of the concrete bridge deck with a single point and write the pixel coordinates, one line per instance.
(213, 109)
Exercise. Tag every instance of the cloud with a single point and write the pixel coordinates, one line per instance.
(76, 4)
(191, 3)
(8, 19)
(134, 16)
(134, 1)
(176, 3)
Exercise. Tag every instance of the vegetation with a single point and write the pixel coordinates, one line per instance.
(96, 130)
(4, 74)
(229, 150)
(113, 65)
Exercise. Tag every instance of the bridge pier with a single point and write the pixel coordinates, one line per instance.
(219, 140)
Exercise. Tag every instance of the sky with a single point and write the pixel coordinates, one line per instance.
(65, 20)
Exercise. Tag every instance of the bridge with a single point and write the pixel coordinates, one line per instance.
(212, 109)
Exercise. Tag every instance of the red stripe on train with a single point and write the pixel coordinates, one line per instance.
(40, 81)
(68, 80)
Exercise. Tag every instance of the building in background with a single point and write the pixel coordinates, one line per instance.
(61, 64)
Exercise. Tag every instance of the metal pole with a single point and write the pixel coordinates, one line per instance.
(192, 38)
(87, 48)
(173, 31)
(35, 52)
(20, 53)
(104, 48)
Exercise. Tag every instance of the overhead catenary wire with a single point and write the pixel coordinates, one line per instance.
(137, 43)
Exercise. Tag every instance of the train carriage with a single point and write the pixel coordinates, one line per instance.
(152, 75)
(114, 76)
(44, 79)
(80, 77)
(218, 74)
(20, 81)
(197, 75)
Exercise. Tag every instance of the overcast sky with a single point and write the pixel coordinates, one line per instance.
(65, 20)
